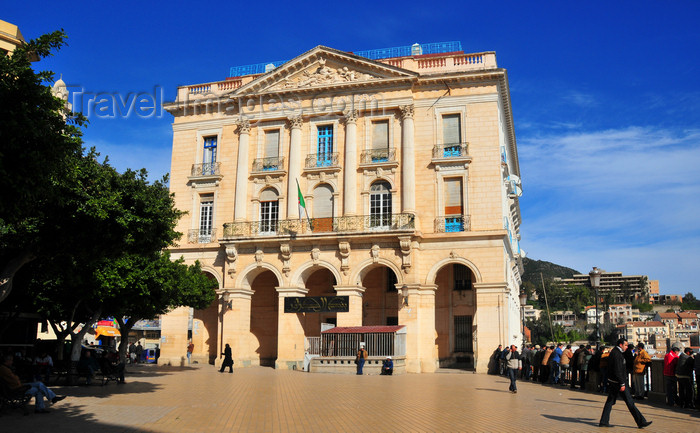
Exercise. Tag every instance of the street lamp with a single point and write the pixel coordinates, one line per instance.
(595, 283)
(523, 302)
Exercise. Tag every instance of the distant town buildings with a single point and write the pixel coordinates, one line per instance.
(623, 288)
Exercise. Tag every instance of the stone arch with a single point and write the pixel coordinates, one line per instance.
(369, 264)
(248, 275)
(303, 272)
(215, 273)
(430, 278)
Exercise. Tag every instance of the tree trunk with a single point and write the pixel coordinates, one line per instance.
(78, 338)
(7, 274)
(124, 329)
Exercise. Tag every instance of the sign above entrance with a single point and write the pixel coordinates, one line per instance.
(317, 304)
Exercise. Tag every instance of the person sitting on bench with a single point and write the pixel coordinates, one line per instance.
(387, 366)
(36, 389)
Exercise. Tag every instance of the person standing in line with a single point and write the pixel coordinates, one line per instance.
(190, 349)
(684, 374)
(670, 380)
(576, 360)
(496, 360)
(544, 366)
(617, 386)
(554, 361)
(565, 365)
(639, 369)
(228, 360)
(514, 364)
(139, 351)
(361, 358)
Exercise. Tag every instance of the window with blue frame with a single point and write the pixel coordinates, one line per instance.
(324, 154)
(454, 205)
(451, 135)
(209, 166)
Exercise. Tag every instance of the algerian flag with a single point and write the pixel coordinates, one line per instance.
(302, 203)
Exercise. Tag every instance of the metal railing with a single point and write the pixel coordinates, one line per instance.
(206, 169)
(374, 156)
(268, 164)
(452, 223)
(359, 223)
(450, 150)
(378, 344)
(316, 160)
(196, 236)
(313, 345)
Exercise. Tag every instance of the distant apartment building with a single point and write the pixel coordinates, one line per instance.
(624, 288)
(665, 299)
(564, 318)
(621, 313)
(591, 313)
(531, 313)
(645, 332)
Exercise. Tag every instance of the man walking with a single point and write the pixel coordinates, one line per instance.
(190, 349)
(617, 386)
(514, 364)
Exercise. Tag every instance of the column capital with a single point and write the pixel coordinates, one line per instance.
(285, 292)
(243, 126)
(295, 122)
(483, 288)
(234, 292)
(349, 290)
(407, 111)
(350, 116)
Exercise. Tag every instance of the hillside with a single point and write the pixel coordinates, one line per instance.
(549, 270)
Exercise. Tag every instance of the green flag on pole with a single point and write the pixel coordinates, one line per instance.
(302, 203)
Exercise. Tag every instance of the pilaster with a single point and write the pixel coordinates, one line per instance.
(490, 321)
(350, 166)
(173, 340)
(235, 326)
(354, 316)
(295, 124)
(408, 160)
(290, 333)
(241, 197)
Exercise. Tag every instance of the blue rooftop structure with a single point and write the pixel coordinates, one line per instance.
(381, 53)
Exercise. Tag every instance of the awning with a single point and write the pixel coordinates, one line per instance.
(108, 331)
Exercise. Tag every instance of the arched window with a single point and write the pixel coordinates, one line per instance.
(269, 211)
(323, 208)
(380, 204)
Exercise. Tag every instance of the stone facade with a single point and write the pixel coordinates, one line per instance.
(409, 172)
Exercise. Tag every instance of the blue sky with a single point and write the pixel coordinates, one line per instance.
(605, 94)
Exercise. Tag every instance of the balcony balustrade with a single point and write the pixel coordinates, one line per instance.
(268, 164)
(206, 169)
(452, 150)
(375, 156)
(319, 160)
(452, 223)
(197, 236)
(343, 224)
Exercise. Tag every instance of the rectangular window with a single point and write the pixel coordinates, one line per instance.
(380, 141)
(209, 155)
(206, 218)
(451, 135)
(269, 214)
(272, 146)
(324, 156)
(454, 205)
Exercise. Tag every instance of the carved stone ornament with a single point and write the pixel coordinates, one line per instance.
(295, 122)
(406, 111)
(259, 257)
(315, 255)
(344, 251)
(405, 244)
(286, 254)
(322, 75)
(350, 116)
(243, 126)
(231, 257)
(452, 255)
(375, 253)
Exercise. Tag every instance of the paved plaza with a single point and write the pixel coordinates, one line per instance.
(200, 399)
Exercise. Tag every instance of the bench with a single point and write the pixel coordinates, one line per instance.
(16, 399)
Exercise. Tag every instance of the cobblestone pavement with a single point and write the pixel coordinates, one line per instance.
(200, 399)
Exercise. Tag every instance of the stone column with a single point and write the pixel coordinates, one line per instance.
(350, 166)
(426, 323)
(235, 326)
(290, 333)
(173, 337)
(241, 197)
(408, 161)
(295, 124)
(354, 316)
(490, 327)
(409, 317)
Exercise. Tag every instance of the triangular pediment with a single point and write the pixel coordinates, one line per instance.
(324, 67)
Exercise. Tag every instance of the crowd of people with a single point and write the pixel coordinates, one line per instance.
(564, 365)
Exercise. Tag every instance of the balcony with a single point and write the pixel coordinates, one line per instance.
(261, 165)
(378, 156)
(197, 236)
(206, 170)
(320, 161)
(452, 223)
(450, 151)
(344, 224)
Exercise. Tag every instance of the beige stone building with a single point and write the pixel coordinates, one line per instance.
(406, 162)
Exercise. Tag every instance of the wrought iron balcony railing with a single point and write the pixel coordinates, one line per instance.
(374, 156)
(197, 236)
(206, 169)
(268, 164)
(450, 150)
(452, 223)
(344, 224)
(318, 160)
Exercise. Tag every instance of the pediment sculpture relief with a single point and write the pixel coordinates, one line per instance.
(322, 75)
